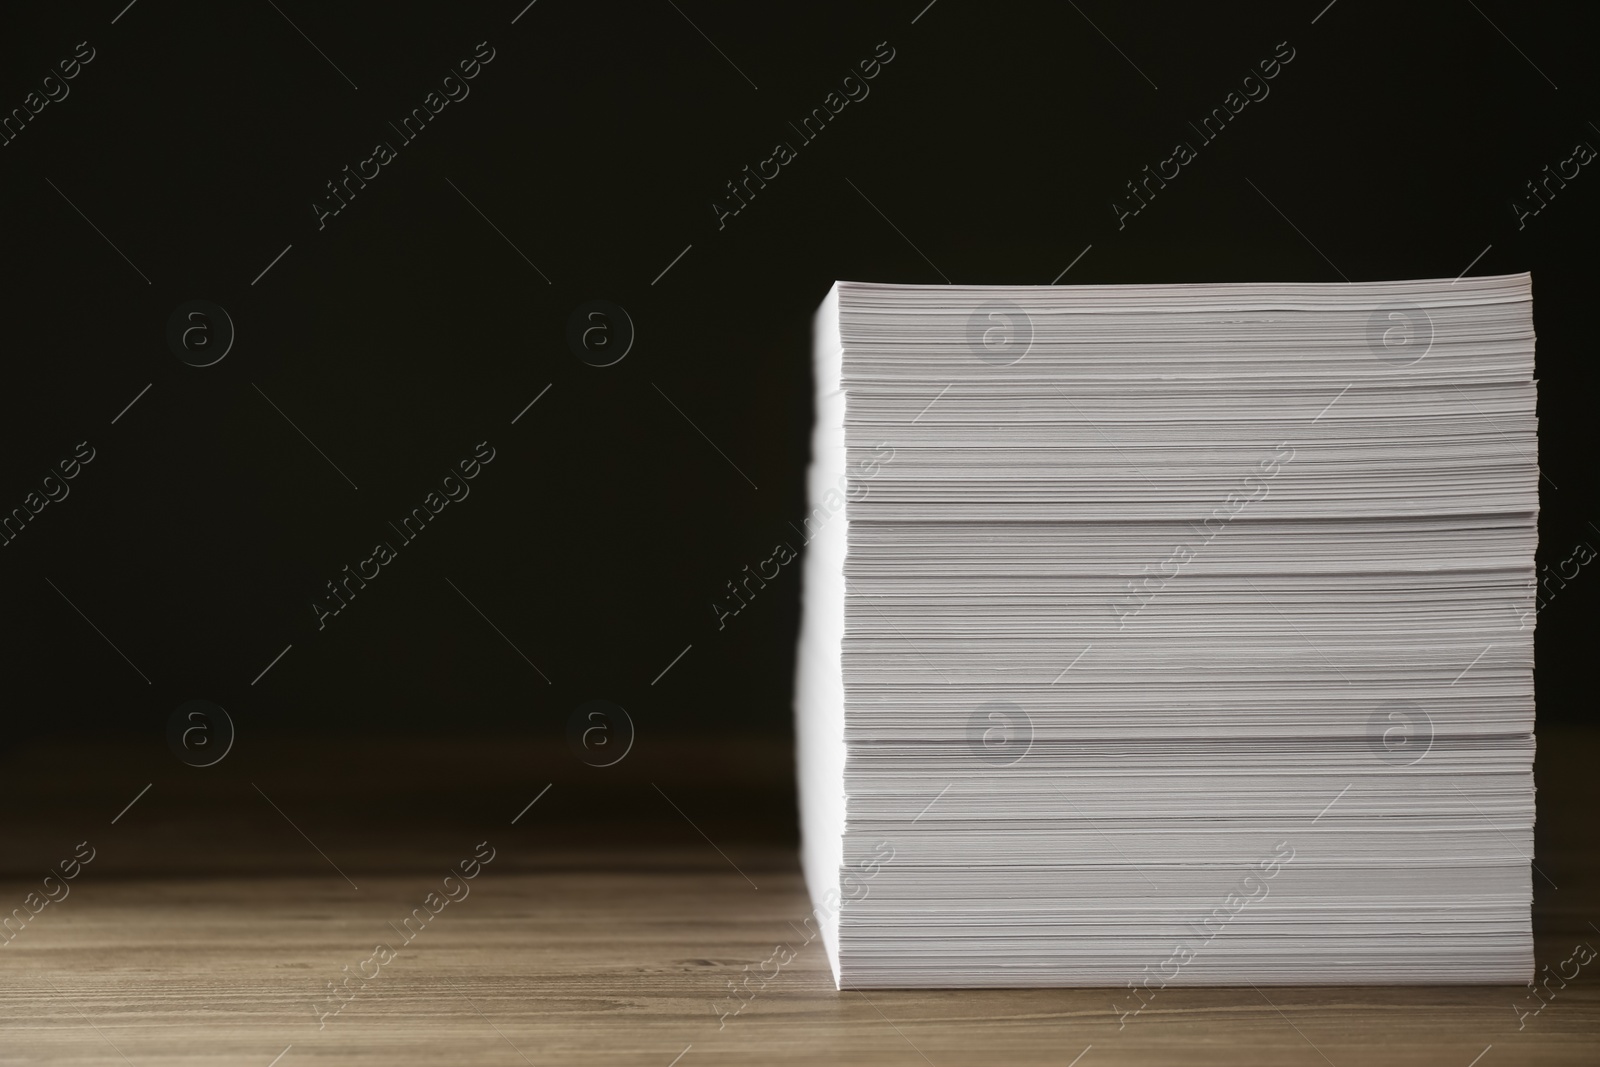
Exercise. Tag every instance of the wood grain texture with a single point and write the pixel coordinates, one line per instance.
(581, 944)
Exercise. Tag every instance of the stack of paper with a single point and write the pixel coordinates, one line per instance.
(1171, 634)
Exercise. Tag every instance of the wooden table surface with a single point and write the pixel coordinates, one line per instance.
(605, 930)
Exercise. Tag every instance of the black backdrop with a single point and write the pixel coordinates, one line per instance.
(387, 341)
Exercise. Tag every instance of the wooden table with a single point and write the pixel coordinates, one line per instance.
(605, 930)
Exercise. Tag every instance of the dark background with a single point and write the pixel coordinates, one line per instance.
(408, 329)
